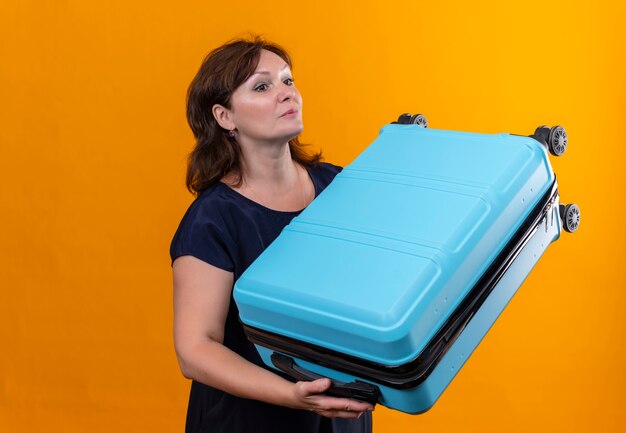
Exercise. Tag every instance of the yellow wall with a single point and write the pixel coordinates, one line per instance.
(93, 140)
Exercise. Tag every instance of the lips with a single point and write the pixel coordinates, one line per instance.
(292, 111)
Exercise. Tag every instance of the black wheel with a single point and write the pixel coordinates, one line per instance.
(419, 119)
(557, 140)
(570, 215)
(404, 119)
(541, 134)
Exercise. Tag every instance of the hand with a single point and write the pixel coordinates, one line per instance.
(309, 395)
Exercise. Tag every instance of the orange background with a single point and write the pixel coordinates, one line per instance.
(93, 140)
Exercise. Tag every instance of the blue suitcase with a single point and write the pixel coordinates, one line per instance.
(391, 277)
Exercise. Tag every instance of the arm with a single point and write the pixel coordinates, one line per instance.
(201, 301)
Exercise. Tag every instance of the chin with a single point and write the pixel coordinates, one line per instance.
(293, 133)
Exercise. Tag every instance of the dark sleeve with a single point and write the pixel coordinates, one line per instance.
(202, 234)
(325, 174)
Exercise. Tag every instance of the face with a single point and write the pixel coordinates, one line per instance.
(267, 107)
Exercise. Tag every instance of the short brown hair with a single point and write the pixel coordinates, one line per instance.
(223, 70)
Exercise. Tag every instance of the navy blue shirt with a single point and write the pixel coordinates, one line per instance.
(229, 231)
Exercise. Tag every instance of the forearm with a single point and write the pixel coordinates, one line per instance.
(202, 295)
(215, 365)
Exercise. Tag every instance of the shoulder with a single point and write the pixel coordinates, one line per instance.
(209, 206)
(327, 168)
(203, 228)
(324, 173)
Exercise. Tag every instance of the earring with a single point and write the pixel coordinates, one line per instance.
(231, 133)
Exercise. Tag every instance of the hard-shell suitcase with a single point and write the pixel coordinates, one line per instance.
(390, 278)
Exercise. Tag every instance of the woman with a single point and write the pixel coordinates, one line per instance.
(250, 176)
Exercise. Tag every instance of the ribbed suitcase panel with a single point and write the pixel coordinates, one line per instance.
(378, 262)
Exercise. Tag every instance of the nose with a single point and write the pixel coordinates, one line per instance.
(287, 92)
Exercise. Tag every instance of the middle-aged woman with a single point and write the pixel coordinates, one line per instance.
(250, 176)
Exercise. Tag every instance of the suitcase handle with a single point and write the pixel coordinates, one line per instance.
(356, 390)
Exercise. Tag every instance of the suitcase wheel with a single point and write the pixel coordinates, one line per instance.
(413, 119)
(555, 138)
(570, 216)
(404, 119)
(419, 119)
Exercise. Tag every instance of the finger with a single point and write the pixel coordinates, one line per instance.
(315, 387)
(339, 414)
(342, 404)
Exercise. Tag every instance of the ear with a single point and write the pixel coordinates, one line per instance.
(223, 116)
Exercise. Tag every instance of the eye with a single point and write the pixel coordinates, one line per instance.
(288, 81)
(260, 88)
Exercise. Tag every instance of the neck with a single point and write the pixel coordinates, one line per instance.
(270, 177)
(268, 167)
